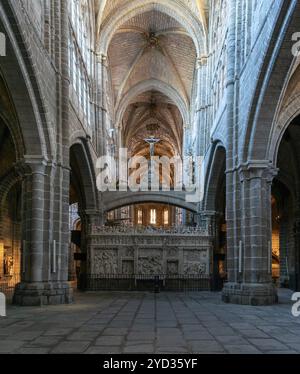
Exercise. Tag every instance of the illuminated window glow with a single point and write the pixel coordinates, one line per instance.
(140, 217)
(166, 217)
(153, 217)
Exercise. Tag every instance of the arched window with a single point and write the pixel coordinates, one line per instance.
(166, 217)
(81, 57)
(153, 217)
(140, 217)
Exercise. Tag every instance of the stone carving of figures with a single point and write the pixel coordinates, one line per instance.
(150, 265)
(8, 263)
(194, 269)
(106, 262)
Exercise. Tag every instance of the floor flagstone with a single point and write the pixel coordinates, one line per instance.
(120, 322)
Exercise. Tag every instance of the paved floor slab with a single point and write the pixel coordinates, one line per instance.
(120, 322)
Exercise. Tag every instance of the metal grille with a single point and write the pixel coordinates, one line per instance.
(126, 282)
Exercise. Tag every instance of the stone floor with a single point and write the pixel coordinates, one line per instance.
(148, 323)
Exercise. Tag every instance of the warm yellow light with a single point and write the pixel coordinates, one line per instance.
(140, 217)
(153, 217)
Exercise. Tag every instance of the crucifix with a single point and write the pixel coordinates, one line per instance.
(151, 141)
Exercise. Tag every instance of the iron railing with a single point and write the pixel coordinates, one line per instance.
(132, 282)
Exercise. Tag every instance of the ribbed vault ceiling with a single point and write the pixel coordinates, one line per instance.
(153, 114)
(152, 46)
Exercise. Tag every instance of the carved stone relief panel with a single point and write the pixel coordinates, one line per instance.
(196, 262)
(106, 261)
(150, 261)
(193, 268)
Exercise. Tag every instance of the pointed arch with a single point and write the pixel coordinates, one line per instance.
(83, 169)
(214, 174)
(23, 87)
(153, 84)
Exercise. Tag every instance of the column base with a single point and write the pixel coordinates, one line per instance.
(37, 294)
(250, 294)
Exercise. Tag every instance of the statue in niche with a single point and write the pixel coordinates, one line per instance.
(8, 264)
(172, 268)
(128, 267)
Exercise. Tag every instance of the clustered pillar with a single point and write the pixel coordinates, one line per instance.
(44, 276)
(250, 253)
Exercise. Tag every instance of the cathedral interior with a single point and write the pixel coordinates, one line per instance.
(215, 80)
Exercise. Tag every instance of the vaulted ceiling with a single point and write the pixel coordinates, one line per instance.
(105, 8)
(153, 114)
(151, 60)
(152, 45)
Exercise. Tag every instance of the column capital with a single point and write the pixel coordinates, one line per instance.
(257, 169)
(32, 164)
(201, 61)
(101, 58)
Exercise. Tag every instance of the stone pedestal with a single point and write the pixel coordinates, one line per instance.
(42, 293)
(250, 294)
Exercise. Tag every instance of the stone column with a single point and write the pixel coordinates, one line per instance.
(29, 292)
(43, 265)
(297, 254)
(202, 105)
(250, 254)
(101, 104)
(34, 255)
(186, 139)
(210, 222)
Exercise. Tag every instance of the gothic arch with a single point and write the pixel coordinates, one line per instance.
(115, 200)
(215, 172)
(23, 86)
(8, 118)
(271, 84)
(153, 84)
(84, 173)
(286, 116)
